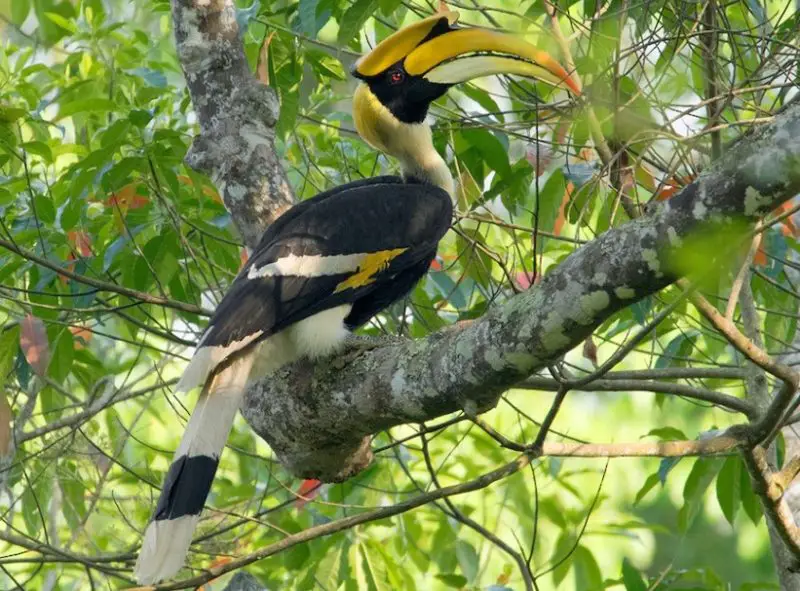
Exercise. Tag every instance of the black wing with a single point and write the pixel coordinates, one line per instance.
(365, 243)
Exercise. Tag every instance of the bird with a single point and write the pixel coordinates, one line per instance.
(331, 262)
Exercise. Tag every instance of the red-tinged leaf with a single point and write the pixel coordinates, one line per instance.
(34, 345)
(590, 351)
(243, 258)
(81, 242)
(436, 265)
(263, 58)
(523, 280)
(672, 186)
(308, 489)
(539, 155)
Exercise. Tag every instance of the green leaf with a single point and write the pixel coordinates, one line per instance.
(679, 347)
(296, 557)
(548, 200)
(728, 485)
(587, 572)
(445, 537)
(73, 489)
(45, 212)
(455, 581)
(39, 149)
(115, 133)
(9, 347)
(648, 485)
(34, 504)
(372, 574)
(468, 559)
(750, 501)
(490, 148)
(19, 12)
(307, 11)
(93, 105)
(62, 22)
(700, 477)
(631, 577)
(63, 353)
(49, 30)
(562, 555)
(353, 19)
(140, 117)
(667, 434)
(69, 214)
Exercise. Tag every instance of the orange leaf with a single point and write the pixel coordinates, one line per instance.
(34, 345)
(127, 198)
(672, 186)
(82, 336)
(666, 192)
(562, 210)
(760, 258)
(789, 227)
(308, 489)
(263, 57)
(243, 258)
(207, 191)
(81, 242)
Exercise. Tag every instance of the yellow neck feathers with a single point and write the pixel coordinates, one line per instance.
(411, 143)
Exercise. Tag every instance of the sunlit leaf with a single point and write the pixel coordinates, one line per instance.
(354, 18)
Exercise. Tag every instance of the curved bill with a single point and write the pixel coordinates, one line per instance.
(459, 55)
(399, 44)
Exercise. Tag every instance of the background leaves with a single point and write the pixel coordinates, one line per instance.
(94, 124)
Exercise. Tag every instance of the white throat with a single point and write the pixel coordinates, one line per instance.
(424, 162)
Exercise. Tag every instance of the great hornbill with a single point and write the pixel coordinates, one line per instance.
(331, 262)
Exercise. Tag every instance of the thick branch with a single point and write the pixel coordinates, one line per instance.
(237, 116)
(317, 418)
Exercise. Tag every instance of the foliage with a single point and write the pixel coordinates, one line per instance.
(114, 251)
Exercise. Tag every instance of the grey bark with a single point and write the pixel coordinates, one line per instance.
(237, 116)
(758, 392)
(243, 581)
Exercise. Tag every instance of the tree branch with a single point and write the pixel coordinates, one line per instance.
(318, 418)
(237, 116)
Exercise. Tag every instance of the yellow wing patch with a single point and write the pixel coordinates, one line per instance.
(372, 264)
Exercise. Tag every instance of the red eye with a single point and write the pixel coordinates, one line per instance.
(396, 77)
